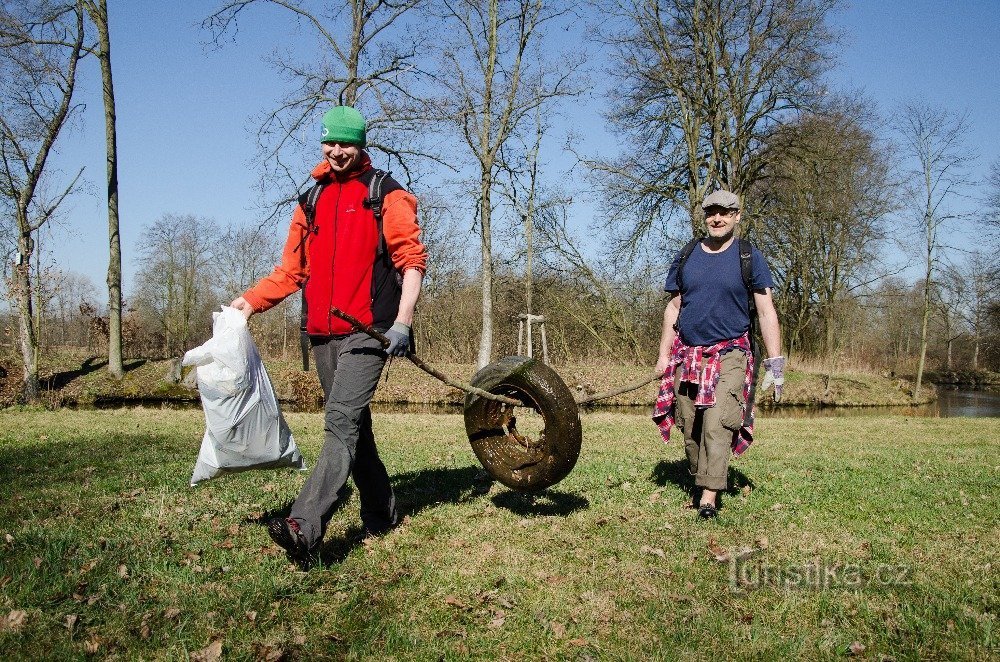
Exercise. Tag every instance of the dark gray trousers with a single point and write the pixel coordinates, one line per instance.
(349, 368)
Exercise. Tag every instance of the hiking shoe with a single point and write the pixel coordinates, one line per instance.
(287, 534)
(707, 511)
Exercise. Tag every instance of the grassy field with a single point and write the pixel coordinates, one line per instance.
(871, 537)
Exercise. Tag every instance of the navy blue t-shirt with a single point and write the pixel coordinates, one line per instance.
(714, 305)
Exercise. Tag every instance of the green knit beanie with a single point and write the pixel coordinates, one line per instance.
(343, 124)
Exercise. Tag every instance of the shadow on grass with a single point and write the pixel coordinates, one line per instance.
(676, 472)
(60, 380)
(415, 491)
(541, 504)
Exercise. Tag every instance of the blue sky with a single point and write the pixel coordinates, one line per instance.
(185, 108)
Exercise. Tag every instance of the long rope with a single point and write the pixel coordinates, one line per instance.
(618, 391)
(469, 388)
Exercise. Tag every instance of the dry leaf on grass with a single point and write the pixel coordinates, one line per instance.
(15, 620)
(499, 618)
(762, 542)
(171, 613)
(719, 553)
(655, 551)
(558, 629)
(123, 571)
(455, 602)
(211, 653)
(270, 654)
(70, 621)
(9, 538)
(856, 648)
(92, 645)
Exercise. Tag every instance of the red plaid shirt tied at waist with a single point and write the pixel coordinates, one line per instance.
(701, 366)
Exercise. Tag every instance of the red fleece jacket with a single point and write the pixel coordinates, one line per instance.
(335, 263)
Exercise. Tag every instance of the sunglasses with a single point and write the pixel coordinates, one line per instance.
(718, 211)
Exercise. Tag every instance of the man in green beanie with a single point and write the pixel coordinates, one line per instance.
(341, 256)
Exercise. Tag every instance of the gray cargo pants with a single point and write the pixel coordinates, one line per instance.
(349, 368)
(708, 432)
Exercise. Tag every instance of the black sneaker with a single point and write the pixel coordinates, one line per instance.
(707, 511)
(286, 532)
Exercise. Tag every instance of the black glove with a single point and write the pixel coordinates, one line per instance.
(399, 339)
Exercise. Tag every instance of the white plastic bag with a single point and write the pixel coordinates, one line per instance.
(244, 426)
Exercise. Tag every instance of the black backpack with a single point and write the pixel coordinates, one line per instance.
(746, 271)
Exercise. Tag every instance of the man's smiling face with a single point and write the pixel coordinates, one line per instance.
(721, 222)
(341, 156)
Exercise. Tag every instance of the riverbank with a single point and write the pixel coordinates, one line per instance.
(86, 383)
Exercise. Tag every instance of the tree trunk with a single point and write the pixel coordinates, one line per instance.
(99, 15)
(923, 329)
(21, 281)
(486, 338)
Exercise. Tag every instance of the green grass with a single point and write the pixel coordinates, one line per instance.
(889, 524)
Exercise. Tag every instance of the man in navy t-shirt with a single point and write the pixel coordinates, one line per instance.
(705, 355)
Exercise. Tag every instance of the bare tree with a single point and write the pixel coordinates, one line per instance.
(494, 78)
(823, 199)
(97, 10)
(373, 64)
(935, 140)
(40, 48)
(176, 286)
(703, 82)
(979, 279)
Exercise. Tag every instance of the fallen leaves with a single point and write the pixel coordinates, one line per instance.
(211, 653)
(655, 551)
(455, 602)
(719, 553)
(70, 622)
(92, 645)
(14, 621)
(856, 648)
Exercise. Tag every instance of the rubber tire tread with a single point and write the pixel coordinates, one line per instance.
(541, 387)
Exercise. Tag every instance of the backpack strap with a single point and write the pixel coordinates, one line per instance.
(685, 254)
(374, 201)
(746, 271)
(308, 202)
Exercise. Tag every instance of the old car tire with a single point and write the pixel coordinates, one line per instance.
(511, 458)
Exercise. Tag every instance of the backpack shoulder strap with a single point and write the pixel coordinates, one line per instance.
(746, 269)
(308, 202)
(379, 184)
(685, 254)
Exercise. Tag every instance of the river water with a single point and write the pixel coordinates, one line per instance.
(950, 402)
